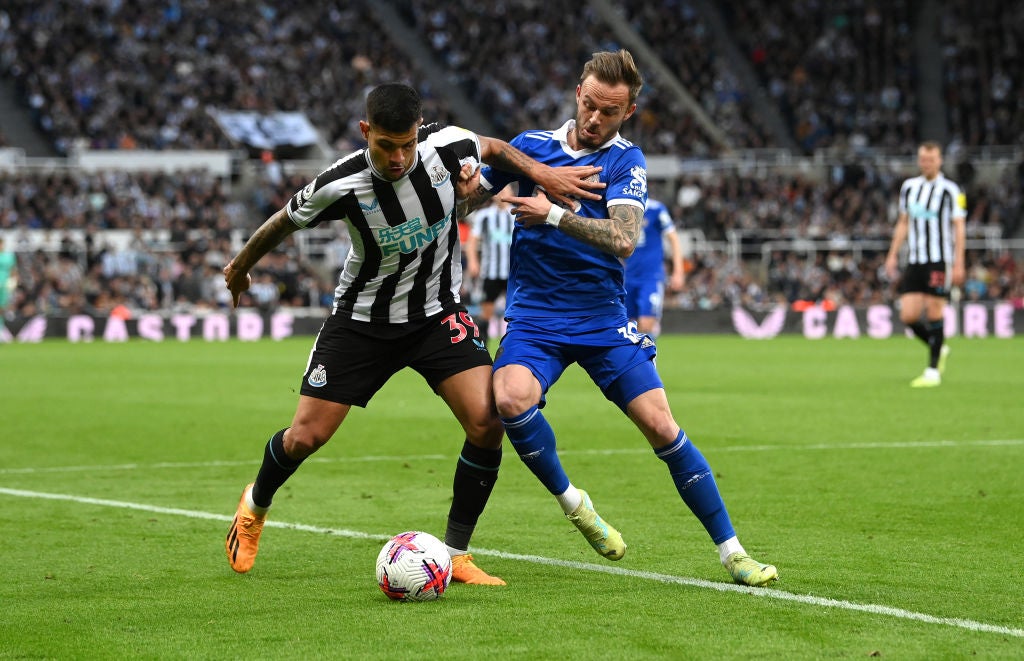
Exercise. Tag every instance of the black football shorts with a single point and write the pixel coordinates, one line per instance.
(351, 361)
(494, 289)
(928, 279)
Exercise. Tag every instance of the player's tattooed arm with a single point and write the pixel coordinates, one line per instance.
(263, 240)
(476, 199)
(617, 235)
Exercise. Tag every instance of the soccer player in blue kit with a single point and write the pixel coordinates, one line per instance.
(566, 305)
(645, 268)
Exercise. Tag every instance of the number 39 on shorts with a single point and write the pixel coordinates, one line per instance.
(462, 326)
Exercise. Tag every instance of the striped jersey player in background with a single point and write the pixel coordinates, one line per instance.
(932, 212)
(396, 305)
(566, 305)
(487, 257)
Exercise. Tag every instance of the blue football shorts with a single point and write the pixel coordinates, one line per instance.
(617, 358)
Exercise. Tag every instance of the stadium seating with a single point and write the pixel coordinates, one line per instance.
(844, 76)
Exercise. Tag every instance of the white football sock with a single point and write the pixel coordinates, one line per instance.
(569, 499)
(256, 509)
(728, 547)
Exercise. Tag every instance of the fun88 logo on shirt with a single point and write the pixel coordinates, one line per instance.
(637, 186)
(410, 236)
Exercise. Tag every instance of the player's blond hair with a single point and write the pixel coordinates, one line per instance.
(930, 145)
(613, 68)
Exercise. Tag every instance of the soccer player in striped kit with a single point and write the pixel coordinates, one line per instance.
(932, 212)
(396, 304)
(487, 256)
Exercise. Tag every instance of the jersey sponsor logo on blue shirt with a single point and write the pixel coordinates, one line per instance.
(637, 186)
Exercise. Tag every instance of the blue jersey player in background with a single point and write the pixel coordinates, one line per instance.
(566, 304)
(645, 268)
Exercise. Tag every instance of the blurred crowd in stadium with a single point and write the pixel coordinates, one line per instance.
(838, 76)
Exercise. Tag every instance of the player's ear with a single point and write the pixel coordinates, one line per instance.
(629, 113)
(364, 128)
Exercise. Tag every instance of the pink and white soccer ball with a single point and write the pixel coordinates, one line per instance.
(414, 566)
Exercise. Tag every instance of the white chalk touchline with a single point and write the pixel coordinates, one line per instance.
(769, 593)
(879, 445)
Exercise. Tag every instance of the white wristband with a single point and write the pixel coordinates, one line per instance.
(555, 214)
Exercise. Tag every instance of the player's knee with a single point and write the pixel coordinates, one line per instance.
(302, 441)
(513, 400)
(511, 404)
(664, 433)
(486, 433)
(483, 428)
(515, 390)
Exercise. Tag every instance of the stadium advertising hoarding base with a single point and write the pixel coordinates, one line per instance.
(876, 321)
(1000, 320)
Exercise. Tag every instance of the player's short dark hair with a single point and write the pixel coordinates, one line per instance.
(394, 107)
(613, 68)
(931, 145)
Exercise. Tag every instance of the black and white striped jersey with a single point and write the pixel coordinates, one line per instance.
(493, 226)
(405, 263)
(930, 207)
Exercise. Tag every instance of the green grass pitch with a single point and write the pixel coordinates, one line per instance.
(894, 515)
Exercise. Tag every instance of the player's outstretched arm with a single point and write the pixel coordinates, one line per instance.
(262, 241)
(561, 183)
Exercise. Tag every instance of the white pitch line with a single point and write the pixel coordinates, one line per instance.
(768, 593)
(878, 445)
(213, 464)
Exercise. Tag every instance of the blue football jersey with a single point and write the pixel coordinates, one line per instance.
(553, 274)
(648, 260)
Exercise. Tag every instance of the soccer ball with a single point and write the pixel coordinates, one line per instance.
(414, 566)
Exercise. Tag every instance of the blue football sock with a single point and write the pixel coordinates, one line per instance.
(534, 441)
(696, 484)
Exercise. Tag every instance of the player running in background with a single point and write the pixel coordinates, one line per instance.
(566, 305)
(645, 269)
(487, 257)
(396, 305)
(931, 221)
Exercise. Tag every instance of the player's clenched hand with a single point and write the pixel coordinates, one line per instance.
(469, 179)
(237, 281)
(571, 182)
